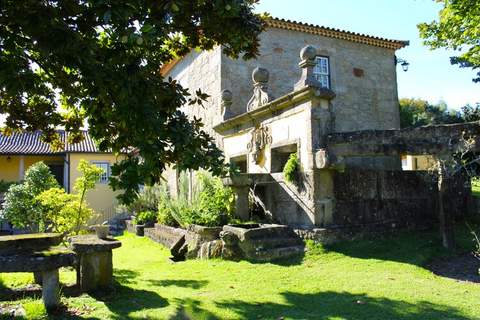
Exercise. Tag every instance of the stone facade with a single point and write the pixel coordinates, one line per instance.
(366, 102)
(346, 137)
(369, 101)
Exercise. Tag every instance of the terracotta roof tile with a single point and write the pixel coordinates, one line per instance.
(336, 33)
(30, 143)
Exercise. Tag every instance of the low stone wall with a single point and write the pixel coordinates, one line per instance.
(349, 233)
(197, 236)
(165, 235)
(396, 198)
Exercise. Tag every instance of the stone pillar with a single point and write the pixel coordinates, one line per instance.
(307, 63)
(50, 289)
(241, 204)
(261, 95)
(226, 104)
(96, 270)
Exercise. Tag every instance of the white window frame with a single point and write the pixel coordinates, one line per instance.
(105, 176)
(322, 73)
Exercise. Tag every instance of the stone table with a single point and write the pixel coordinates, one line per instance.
(94, 261)
(39, 253)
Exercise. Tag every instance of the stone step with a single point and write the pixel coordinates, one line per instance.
(277, 253)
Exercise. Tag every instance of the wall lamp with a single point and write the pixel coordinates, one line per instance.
(403, 63)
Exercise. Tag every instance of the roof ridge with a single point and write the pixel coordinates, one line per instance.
(336, 33)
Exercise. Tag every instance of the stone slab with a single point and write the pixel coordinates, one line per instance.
(28, 242)
(49, 259)
(91, 243)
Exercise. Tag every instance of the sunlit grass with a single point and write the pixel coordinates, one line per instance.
(369, 279)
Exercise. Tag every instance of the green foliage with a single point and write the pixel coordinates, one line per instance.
(471, 113)
(4, 185)
(147, 199)
(21, 208)
(90, 174)
(418, 112)
(291, 168)
(209, 204)
(165, 215)
(476, 187)
(145, 217)
(106, 71)
(457, 29)
(60, 207)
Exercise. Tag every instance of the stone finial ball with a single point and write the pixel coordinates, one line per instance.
(227, 95)
(308, 53)
(260, 75)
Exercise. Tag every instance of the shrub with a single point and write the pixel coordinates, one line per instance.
(145, 217)
(211, 204)
(291, 168)
(147, 199)
(60, 207)
(165, 215)
(21, 208)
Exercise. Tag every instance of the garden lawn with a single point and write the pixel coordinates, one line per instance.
(366, 279)
(476, 187)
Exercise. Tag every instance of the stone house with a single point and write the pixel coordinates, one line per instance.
(291, 100)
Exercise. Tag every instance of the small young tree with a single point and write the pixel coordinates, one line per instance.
(21, 207)
(90, 175)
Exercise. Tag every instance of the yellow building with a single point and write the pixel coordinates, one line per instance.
(418, 162)
(20, 150)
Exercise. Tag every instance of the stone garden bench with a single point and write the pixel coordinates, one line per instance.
(94, 261)
(40, 254)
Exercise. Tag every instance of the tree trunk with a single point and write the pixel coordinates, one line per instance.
(446, 219)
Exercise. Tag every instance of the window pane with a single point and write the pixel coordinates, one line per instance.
(321, 71)
(105, 166)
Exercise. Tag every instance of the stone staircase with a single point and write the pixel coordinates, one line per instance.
(266, 242)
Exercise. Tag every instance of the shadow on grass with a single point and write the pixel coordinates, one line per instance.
(340, 305)
(189, 309)
(121, 300)
(192, 284)
(35, 291)
(125, 276)
(413, 247)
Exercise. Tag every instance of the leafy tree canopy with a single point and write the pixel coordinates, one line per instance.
(418, 112)
(458, 28)
(63, 62)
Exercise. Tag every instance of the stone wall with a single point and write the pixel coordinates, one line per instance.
(394, 198)
(366, 102)
(201, 70)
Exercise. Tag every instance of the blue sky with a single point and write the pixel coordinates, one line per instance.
(430, 75)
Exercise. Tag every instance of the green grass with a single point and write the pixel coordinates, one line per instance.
(382, 279)
(476, 187)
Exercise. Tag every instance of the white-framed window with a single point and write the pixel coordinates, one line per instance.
(321, 71)
(105, 166)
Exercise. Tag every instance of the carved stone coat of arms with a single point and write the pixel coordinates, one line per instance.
(261, 137)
